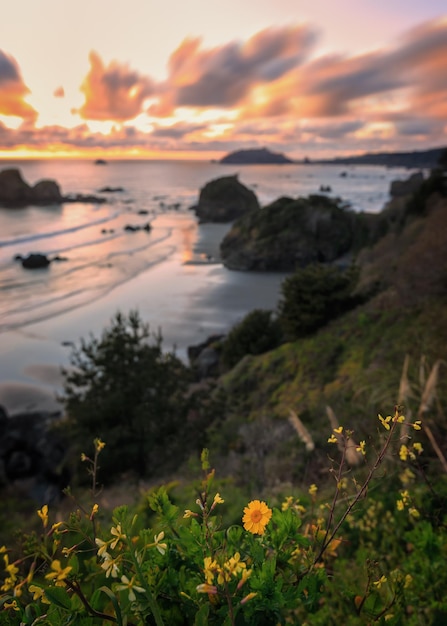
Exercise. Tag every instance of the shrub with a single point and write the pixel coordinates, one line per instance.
(313, 296)
(257, 333)
(123, 388)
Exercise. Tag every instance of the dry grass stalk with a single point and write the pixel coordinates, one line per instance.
(404, 395)
(302, 431)
(428, 395)
(353, 457)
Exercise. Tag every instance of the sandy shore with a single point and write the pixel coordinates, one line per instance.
(189, 296)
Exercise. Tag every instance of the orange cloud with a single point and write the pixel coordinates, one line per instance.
(13, 90)
(114, 92)
(222, 77)
(59, 92)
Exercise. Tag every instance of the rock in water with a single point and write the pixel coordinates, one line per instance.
(35, 261)
(224, 200)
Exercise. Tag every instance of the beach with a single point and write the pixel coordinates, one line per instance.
(187, 296)
(171, 274)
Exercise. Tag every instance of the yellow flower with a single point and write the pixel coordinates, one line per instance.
(313, 489)
(210, 569)
(361, 447)
(385, 421)
(189, 513)
(161, 547)
(217, 500)
(338, 430)
(417, 425)
(103, 545)
(418, 447)
(256, 517)
(59, 573)
(400, 505)
(38, 593)
(84, 457)
(287, 503)
(110, 566)
(205, 588)
(130, 586)
(43, 514)
(119, 535)
(380, 582)
(414, 512)
(403, 452)
(99, 445)
(11, 605)
(248, 597)
(332, 439)
(95, 509)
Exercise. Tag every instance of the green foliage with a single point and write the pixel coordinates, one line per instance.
(125, 389)
(313, 296)
(257, 333)
(342, 557)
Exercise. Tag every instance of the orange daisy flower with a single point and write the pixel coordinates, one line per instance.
(256, 517)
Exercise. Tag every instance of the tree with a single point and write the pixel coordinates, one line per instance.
(125, 390)
(314, 295)
(258, 332)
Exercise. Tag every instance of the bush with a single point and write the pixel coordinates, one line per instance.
(123, 388)
(313, 296)
(257, 333)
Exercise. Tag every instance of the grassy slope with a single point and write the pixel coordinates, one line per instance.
(354, 365)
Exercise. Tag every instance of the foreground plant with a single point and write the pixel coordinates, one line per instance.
(276, 566)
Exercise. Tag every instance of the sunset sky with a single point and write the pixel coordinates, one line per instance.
(199, 78)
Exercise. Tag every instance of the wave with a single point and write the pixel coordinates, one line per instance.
(55, 233)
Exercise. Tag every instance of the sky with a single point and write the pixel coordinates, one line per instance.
(201, 78)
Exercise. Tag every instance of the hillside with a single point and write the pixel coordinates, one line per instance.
(418, 159)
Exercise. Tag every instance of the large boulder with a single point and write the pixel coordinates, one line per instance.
(46, 192)
(35, 261)
(13, 189)
(293, 233)
(224, 200)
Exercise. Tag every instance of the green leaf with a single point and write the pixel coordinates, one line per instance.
(59, 597)
(115, 603)
(202, 616)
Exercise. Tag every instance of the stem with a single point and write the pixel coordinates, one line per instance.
(150, 597)
(77, 590)
(360, 494)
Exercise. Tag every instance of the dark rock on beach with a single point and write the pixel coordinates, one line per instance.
(224, 200)
(35, 261)
(15, 192)
(110, 189)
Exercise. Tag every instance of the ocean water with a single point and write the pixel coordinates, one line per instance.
(172, 274)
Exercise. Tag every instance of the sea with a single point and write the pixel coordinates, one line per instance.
(171, 273)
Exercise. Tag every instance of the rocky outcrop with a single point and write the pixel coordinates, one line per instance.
(15, 192)
(257, 156)
(293, 233)
(35, 261)
(224, 200)
(32, 455)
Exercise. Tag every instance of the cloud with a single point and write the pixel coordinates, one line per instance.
(59, 92)
(223, 76)
(13, 90)
(114, 92)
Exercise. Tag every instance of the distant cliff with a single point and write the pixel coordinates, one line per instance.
(256, 156)
(422, 159)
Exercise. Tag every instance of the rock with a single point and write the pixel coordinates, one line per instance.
(59, 258)
(100, 162)
(35, 261)
(110, 189)
(143, 212)
(79, 197)
(256, 156)
(14, 191)
(224, 200)
(46, 192)
(292, 233)
(325, 188)
(406, 187)
(205, 358)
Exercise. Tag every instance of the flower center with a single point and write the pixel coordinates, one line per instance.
(256, 516)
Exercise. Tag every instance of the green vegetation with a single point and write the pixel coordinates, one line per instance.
(313, 296)
(124, 387)
(257, 333)
(347, 521)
